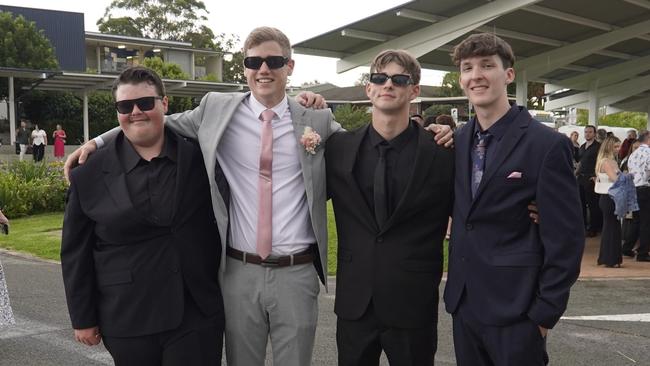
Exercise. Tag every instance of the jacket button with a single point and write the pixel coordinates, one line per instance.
(469, 227)
(380, 239)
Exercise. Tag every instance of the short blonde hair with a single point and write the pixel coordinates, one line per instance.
(267, 34)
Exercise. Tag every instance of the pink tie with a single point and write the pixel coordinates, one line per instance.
(265, 187)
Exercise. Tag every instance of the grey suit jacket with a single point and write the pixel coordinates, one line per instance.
(207, 123)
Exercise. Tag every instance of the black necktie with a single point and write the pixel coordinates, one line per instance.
(380, 194)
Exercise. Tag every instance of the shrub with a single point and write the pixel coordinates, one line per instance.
(27, 188)
(352, 117)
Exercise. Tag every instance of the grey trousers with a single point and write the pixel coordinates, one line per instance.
(262, 302)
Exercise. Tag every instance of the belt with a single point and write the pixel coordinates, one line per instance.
(272, 261)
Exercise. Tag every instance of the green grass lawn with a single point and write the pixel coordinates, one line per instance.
(40, 235)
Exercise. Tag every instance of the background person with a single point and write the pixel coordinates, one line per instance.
(630, 227)
(6, 314)
(39, 141)
(607, 172)
(22, 139)
(59, 142)
(418, 118)
(639, 165)
(586, 174)
(627, 144)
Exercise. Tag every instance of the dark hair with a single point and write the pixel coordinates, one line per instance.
(483, 44)
(592, 127)
(429, 120)
(137, 75)
(644, 137)
(268, 34)
(445, 119)
(400, 57)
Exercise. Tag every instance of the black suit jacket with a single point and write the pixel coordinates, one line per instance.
(510, 267)
(399, 265)
(125, 273)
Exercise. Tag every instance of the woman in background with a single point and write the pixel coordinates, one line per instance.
(607, 172)
(6, 315)
(59, 142)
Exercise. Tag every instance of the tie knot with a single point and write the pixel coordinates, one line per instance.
(484, 139)
(267, 115)
(383, 147)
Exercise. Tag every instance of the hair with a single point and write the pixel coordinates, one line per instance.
(592, 127)
(430, 120)
(268, 34)
(574, 132)
(137, 75)
(445, 119)
(644, 137)
(601, 134)
(483, 44)
(416, 115)
(400, 57)
(606, 151)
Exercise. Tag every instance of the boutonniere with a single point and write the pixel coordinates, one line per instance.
(310, 140)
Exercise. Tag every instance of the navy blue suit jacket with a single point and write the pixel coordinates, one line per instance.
(509, 267)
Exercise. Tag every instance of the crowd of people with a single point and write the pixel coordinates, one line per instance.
(34, 142)
(614, 186)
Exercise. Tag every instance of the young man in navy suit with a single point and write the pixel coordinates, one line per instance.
(509, 278)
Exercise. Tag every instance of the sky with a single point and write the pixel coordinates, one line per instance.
(299, 20)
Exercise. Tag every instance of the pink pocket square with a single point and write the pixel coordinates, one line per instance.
(514, 175)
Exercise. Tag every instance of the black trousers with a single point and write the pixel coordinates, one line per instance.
(477, 344)
(630, 232)
(197, 341)
(591, 213)
(38, 151)
(643, 198)
(360, 342)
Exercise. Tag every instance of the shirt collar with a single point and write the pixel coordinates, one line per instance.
(499, 128)
(258, 107)
(399, 142)
(130, 158)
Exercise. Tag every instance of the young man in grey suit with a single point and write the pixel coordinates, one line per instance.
(270, 277)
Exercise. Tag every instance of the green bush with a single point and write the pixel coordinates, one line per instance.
(352, 117)
(27, 188)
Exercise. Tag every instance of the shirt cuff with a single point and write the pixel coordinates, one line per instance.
(99, 141)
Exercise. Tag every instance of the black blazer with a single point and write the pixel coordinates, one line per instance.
(399, 265)
(510, 267)
(125, 273)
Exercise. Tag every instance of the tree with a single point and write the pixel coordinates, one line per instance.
(168, 70)
(364, 78)
(351, 117)
(451, 85)
(233, 70)
(22, 45)
(159, 19)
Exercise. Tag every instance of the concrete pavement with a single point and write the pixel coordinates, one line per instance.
(43, 335)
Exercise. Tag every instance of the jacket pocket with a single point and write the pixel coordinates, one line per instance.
(524, 259)
(114, 278)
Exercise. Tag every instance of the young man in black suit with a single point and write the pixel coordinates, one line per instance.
(392, 188)
(509, 278)
(140, 250)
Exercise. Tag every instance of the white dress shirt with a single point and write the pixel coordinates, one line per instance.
(38, 137)
(639, 165)
(239, 154)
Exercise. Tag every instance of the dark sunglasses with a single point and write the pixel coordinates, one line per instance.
(144, 104)
(273, 62)
(380, 78)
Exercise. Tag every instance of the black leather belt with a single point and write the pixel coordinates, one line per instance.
(303, 257)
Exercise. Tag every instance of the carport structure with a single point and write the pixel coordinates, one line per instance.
(589, 53)
(82, 84)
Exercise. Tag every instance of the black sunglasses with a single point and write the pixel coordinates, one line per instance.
(273, 62)
(381, 78)
(144, 104)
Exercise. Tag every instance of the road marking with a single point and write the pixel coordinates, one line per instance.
(644, 318)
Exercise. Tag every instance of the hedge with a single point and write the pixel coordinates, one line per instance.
(28, 188)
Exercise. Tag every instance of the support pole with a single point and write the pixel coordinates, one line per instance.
(593, 105)
(11, 109)
(86, 130)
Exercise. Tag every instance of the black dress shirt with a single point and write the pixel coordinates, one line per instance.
(400, 160)
(151, 184)
(497, 130)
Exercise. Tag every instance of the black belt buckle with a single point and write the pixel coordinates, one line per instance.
(270, 262)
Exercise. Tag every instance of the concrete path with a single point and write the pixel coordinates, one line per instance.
(43, 336)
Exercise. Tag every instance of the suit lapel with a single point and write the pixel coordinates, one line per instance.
(464, 162)
(184, 164)
(424, 157)
(348, 161)
(115, 180)
(299, 122)
(510, 139)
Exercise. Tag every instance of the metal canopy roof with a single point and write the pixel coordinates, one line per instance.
(80, 83)
(584, 45)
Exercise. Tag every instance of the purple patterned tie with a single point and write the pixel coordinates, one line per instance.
(478, 159)
(265, 187)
